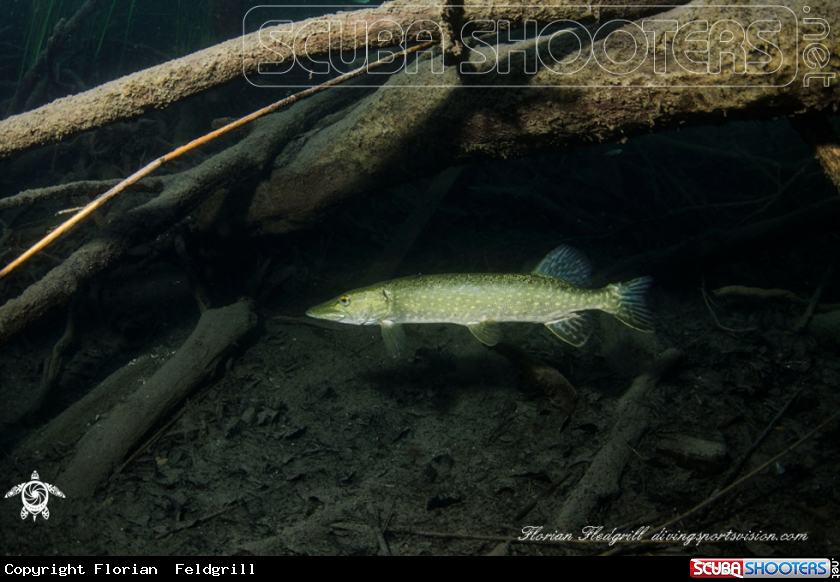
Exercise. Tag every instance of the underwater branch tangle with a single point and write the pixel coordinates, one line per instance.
(89, 208)
(160, 86)
(321, 169)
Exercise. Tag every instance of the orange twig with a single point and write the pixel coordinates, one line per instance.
(151, 167)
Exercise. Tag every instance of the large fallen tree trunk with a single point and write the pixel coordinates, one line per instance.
(160, 86)
(440, 118)
(450, 118)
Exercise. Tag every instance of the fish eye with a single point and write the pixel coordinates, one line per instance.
(344, 300)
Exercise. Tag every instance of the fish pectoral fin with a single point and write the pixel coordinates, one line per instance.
(488, 332)
(575, 329)
(394, 337)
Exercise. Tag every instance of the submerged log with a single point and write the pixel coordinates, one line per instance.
(445, 118)
(109, 440)
(603, 477)
(160, 86)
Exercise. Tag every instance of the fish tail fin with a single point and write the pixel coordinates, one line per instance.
(632, 309)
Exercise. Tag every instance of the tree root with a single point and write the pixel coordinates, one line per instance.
(817, 132)
(182, 194)
(714, 315)
(92, 206)
(109, 440)
(759, 293)
(541, 375)
(602, 478)
(726, 490)
(63, 30)
(64, 430)
(84, 188)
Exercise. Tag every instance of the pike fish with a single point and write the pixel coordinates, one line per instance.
(554, 294)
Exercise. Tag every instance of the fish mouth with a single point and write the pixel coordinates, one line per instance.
(329, 315)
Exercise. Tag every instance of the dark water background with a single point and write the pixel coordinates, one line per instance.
(121, 36)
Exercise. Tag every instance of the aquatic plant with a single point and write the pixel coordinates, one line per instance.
(38, 21)
(125, 37)
(132, 30)
(105, 27)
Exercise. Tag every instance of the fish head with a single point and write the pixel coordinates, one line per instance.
(367, 306)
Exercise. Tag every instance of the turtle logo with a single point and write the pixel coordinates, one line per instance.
(35, 496)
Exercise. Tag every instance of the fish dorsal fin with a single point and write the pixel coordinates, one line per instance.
(488, 332)
(575, 329)
(394, 337)
(566, 263)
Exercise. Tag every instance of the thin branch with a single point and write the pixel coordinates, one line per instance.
(723, 492)
(714, 315)
(151, 167)
(757, 443)
(73, 189)
(759, 293)
(815, 299)
(741, 291)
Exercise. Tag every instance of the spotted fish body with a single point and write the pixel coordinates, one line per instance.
(470, 298)
(555, 294)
